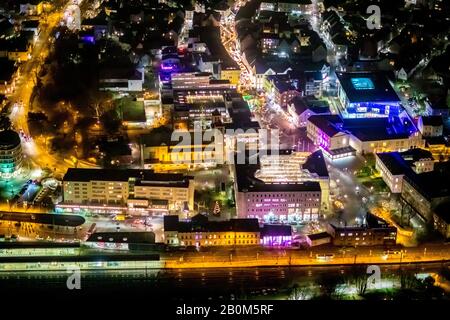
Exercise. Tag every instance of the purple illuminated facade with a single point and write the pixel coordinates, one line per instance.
(277, 241)
(88, 39)
(276, 235)
(167, 66)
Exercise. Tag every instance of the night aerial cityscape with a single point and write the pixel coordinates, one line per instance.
(226, 150)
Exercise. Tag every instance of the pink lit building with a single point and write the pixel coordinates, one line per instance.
(326, 132)
(275, 202)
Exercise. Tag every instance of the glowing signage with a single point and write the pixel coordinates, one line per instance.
(362, 84)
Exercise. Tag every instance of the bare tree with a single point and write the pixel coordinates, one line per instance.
(299, 293)
(358, 277)
(407, 280)
(328, 284)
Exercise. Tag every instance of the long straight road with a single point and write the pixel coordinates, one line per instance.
(315, 256)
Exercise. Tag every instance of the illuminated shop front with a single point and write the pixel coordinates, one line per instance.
(276, 235)
(200, 232)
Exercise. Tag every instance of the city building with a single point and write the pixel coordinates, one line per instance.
(190, 80)
(8, 76)
(373, 232)
(437, 106)
(276, 235)
(318, 239)
(289, 6)
(199, 231)
(11, 156)
(232, 73)
(430, 126)
(339, 137)
(391, 169)
(136, 240)
(316, 82)
(372, 135)
(217, 91)
(136, 191)
(366, 94)
(260, 70)
(288, 166)
(441, 219)
(217, 61)
(393, 166)
(301, 108)
(97, 26)
(31, 25)
(121, 79)
(326, 132)
(282, 88)
(275, 201)
(269, 42)
(198, 114)
(7, 29)
(336, 33)
(17, 48)
(166, 150)
(422, 193)
(32, 7)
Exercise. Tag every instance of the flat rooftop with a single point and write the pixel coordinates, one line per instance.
(433, 184)
(200, 223)
(319, 236)
(247, 182)
(367, 87)
(144, 177)
(122, 237)
(375, 129)
(327, 123)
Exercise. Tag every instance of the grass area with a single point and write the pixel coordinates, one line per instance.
(368, 168)
(377, 183)
(369, 159)
(131, 110)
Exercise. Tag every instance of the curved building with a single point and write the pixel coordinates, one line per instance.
(11, 156)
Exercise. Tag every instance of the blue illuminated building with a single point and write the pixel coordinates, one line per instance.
(88, 39)
(366, 94)
(362, 84)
